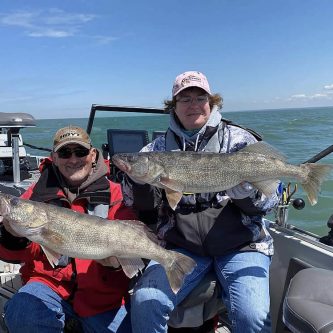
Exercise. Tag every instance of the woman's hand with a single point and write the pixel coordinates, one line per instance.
(241, 191)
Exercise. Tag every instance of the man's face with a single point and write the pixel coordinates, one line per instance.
(73, 164)
(192, 108)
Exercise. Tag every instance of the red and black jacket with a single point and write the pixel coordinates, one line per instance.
(89, 286)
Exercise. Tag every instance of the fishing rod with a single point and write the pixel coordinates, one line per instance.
(320, 155)
(39, 148)
(288, 193)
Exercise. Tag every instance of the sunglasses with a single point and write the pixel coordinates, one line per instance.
(66, 153)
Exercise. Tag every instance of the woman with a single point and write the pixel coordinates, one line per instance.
(224, 232)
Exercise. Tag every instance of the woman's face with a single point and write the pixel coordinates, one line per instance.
(192, 108)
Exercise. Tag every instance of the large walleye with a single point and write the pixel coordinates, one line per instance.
(63, 231)
(198, 172)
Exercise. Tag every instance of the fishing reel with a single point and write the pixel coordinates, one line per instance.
(285, 202)
(328, 239)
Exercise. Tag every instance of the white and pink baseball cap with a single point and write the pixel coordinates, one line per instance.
(190, 79)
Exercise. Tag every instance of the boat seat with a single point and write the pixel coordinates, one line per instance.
(308, 304)
(202, 304)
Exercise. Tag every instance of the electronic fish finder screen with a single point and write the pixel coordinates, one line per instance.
(126, 141)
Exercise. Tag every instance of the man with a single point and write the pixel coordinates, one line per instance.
(90, 292)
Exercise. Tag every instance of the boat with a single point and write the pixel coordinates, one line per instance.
(302, 263)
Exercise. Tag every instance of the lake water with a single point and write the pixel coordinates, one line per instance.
(298, 133)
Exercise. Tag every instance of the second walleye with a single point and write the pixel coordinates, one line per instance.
(62, 231)
(198, 172)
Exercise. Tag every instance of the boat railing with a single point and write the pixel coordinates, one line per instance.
(117, 108)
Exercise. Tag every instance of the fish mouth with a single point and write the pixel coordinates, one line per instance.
(121, 164)
(4, 207)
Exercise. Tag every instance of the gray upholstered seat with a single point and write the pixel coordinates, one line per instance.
(308, 304)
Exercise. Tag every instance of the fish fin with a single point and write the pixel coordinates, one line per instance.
(267, 187)
(52, 256)
(173, 197)
(52, 236)
(173, 190)
(171, 184)
(316, 175)
(181, 265)
(141, 227)
(263, 148)
(131, 266)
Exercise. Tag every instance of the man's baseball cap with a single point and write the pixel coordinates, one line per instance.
(71, 134)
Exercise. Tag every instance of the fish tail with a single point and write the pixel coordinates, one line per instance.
(181, 265)
(316, 175)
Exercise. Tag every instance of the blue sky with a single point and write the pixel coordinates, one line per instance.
(59, 57)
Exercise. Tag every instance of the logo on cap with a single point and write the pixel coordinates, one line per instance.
(187, 80)
(71, 134)
(190, 79)
(66, 135)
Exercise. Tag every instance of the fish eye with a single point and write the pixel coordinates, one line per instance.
(14, 201)
(132, 158)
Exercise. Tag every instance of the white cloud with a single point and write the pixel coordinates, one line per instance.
(304, 97)
(20, 19)
(53, 23)
(59, 17)
(315, 96)
(51, 33)
(298, 96)
(329, 87)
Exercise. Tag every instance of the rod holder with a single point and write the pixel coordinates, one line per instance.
(16, 158)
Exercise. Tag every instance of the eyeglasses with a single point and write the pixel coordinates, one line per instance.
(186, 100)
(66, 153)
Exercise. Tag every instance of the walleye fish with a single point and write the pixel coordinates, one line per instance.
(198, 172)
(63, 231)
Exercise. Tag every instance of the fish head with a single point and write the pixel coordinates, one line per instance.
(139, 166)
(134, 165)
(5, 204)
(20, 215)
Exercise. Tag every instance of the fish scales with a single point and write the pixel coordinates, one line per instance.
(60, 230)
(210, 172)
(64, 231)
(180, 172)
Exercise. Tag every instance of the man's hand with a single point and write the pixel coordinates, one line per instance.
(110, 262)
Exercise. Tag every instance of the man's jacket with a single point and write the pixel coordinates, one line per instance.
(90, 287)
